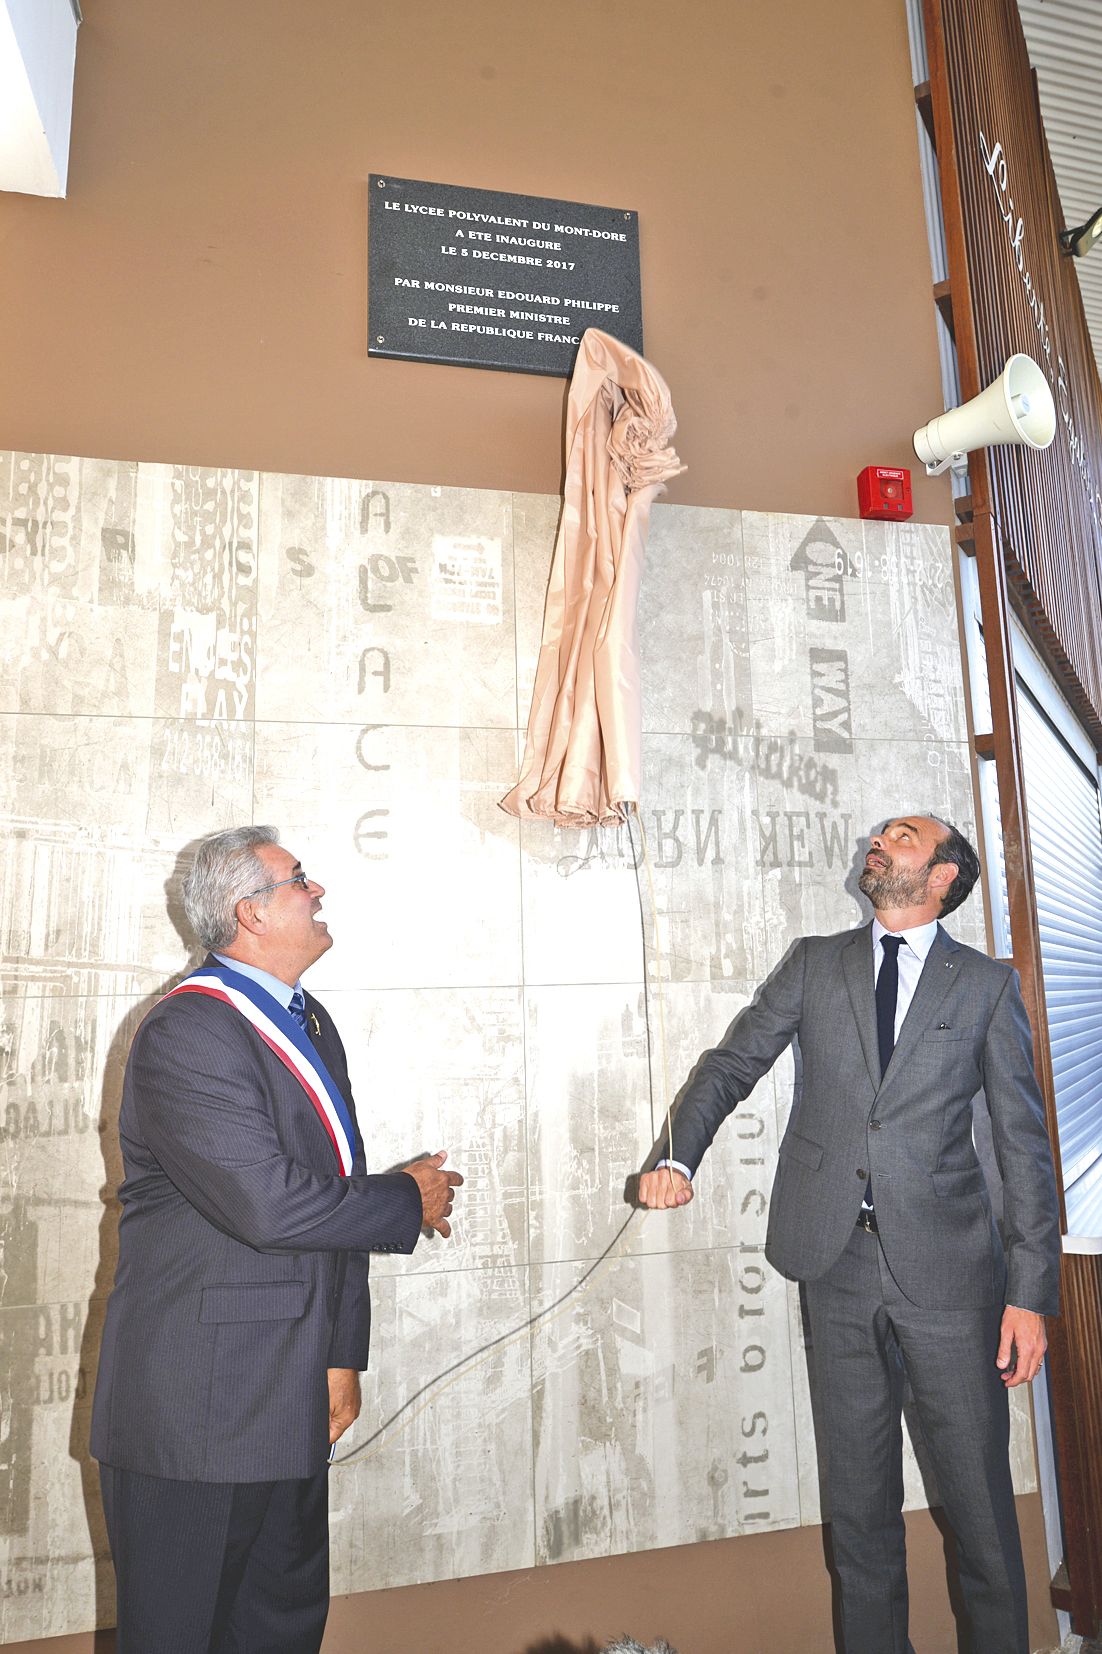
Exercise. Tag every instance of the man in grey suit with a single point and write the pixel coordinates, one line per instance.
(881, 1208)
(239, 1320)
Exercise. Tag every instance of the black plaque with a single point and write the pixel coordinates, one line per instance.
(481, 279)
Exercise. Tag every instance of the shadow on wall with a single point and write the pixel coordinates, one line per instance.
(110, 1100)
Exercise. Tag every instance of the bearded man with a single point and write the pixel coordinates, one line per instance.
(881, 1208)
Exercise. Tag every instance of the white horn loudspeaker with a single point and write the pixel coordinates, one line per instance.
(1017, 407)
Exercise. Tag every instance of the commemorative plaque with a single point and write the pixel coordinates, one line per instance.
(481, 279)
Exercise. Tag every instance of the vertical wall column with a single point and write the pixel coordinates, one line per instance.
(997, 516)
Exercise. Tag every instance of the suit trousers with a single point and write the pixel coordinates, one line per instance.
(218, 1567)
(867, 1340)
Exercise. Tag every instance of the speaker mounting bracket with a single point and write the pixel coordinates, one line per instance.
(951, 462)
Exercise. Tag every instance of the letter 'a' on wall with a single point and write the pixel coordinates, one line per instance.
(38, 47)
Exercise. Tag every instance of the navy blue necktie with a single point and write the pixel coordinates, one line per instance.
(297, 1007)
(887, 993)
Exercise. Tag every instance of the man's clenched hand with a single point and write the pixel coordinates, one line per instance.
(344, 1400)
(437, 1190)
(664, 1188)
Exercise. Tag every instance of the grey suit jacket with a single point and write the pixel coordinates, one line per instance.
(243, 1255)
(965, 1030)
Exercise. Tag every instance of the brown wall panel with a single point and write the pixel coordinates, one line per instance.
(1015, 290)
(1037, 533)
(201, 295)
(735, 1596)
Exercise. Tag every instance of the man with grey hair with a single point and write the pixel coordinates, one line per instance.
(881, 1208)
(239, 1320)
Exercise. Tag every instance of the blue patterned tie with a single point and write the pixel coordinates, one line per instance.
(887, 993)
(297, 1008)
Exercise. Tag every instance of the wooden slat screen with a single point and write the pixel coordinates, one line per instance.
(1077, 1345)
(1025, 297)
(1036, 531)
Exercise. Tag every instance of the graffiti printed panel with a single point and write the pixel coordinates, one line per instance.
(393, 602)
(183, 649)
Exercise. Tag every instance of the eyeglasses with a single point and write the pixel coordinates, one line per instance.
(301, 879)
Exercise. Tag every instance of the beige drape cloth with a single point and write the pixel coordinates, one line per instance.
(583, 757)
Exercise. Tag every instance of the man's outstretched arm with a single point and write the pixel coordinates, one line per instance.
(725, 1076)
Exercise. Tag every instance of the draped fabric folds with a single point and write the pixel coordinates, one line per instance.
(583, 756)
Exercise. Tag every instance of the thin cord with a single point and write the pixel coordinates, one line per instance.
(646, 975)
(659, 996)
(443, 1381)
(469, 1363)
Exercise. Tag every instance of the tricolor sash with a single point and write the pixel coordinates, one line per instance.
(287, 1041)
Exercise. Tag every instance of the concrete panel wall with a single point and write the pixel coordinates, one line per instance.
(181, 649)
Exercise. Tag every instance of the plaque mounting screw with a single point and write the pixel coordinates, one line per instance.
(380, 183)
(380, 338)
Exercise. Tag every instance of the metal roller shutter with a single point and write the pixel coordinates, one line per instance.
(1066, 835)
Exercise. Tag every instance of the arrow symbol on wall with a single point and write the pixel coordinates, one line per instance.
(824, 562)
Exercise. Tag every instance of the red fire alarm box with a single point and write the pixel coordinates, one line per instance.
(884, 492)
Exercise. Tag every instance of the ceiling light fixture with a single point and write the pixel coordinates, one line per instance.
(37, 53)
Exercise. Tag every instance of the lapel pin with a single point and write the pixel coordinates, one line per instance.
(315, 1025)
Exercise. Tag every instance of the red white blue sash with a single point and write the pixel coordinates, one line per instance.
(287, 1041)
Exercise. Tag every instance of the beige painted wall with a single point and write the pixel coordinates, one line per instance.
(201, 295)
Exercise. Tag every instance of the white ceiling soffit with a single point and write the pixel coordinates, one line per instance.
(1065, 47)
(38, 43)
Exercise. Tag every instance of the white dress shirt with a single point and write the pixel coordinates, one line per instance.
(917, 943)
(912, 956)
(279, 991)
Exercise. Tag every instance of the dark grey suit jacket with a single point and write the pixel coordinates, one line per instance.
(966, 1029)
(243, 1255)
